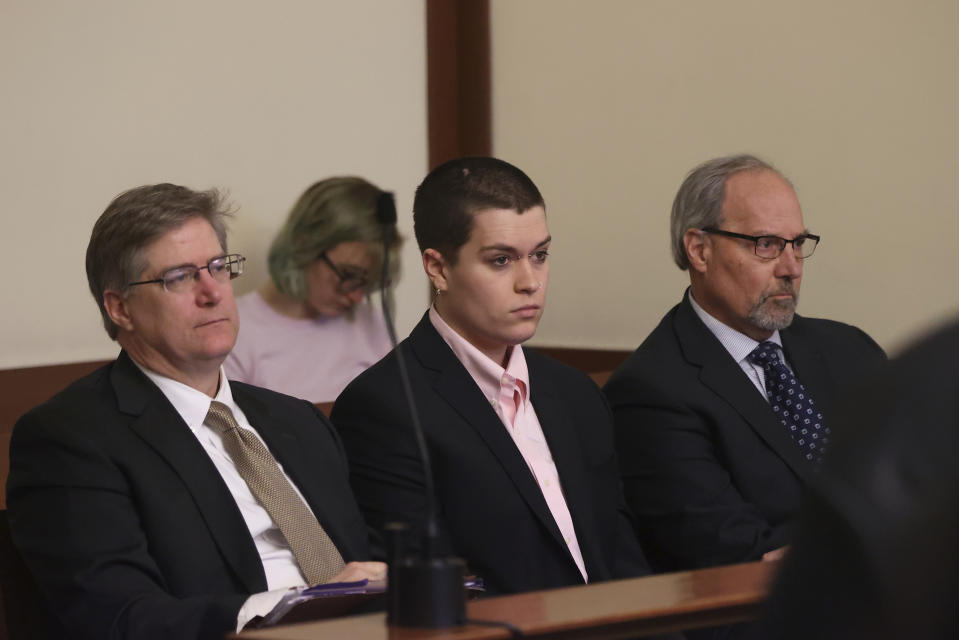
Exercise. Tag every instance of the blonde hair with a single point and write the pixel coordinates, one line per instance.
(330, 212)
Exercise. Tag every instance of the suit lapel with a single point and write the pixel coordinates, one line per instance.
(155, 420)
(810, 366)
(719, 372)
(453, 383)
(560, 434)
(303, 467)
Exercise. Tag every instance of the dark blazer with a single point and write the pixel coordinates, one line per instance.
(125, 522)
(491, 511)
(709, 471)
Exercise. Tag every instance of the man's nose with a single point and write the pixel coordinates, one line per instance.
(789, 264)
(207, 290)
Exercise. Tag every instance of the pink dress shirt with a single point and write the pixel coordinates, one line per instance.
(310, 358)
(508, 393)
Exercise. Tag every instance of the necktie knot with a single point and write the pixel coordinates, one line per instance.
(791, 403)
(220, 417)
(766, 354)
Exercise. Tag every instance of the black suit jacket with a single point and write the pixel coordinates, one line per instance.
(127, 526)
(491, 511)
(709, 471)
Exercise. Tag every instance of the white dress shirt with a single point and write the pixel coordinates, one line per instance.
(279, 565)
(739, 346)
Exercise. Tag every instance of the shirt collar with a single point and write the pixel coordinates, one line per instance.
(488, 375)
(192, 405)
(738, 344)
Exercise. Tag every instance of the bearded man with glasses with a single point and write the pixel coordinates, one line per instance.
(723, 413)
(155, 498)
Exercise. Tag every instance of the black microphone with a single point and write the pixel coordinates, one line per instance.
(386, 215)
(424, 591)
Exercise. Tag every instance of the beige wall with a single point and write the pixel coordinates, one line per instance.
(260, 98)
(607, 104)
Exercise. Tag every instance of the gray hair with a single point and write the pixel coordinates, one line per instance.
(330, 212)
(699, 201)
(133, 221)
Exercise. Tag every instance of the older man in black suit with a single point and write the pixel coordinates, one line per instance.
(722, 414)
(153, 498)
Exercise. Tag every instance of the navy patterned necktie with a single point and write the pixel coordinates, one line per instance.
(791, 404)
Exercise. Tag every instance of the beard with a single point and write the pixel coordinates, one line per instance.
(773, 315)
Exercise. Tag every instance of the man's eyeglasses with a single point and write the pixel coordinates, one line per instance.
(770, 247)
(351, 279)
(181, 279)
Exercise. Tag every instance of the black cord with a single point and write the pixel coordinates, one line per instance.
(431, 527)
(514, 631)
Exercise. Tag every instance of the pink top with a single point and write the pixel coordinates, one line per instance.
(310, 358)
(508, 393)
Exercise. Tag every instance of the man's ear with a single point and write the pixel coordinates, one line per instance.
(118, 310)
(436, 269)
(698, 249)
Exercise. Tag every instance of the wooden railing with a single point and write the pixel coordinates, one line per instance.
(25, 388)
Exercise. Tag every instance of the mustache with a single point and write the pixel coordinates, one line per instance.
(785, 288)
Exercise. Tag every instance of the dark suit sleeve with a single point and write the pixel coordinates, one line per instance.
(74, 519)
(629, 561)
(386, 470)
(689, 512)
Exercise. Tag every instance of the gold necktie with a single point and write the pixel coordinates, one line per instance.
(313, 549)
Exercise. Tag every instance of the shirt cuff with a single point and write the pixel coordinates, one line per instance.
(259, 604)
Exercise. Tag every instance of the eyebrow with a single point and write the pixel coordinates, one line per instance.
(505, 248)
(768, 233)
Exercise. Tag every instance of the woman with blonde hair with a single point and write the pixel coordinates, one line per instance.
(310, 329)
